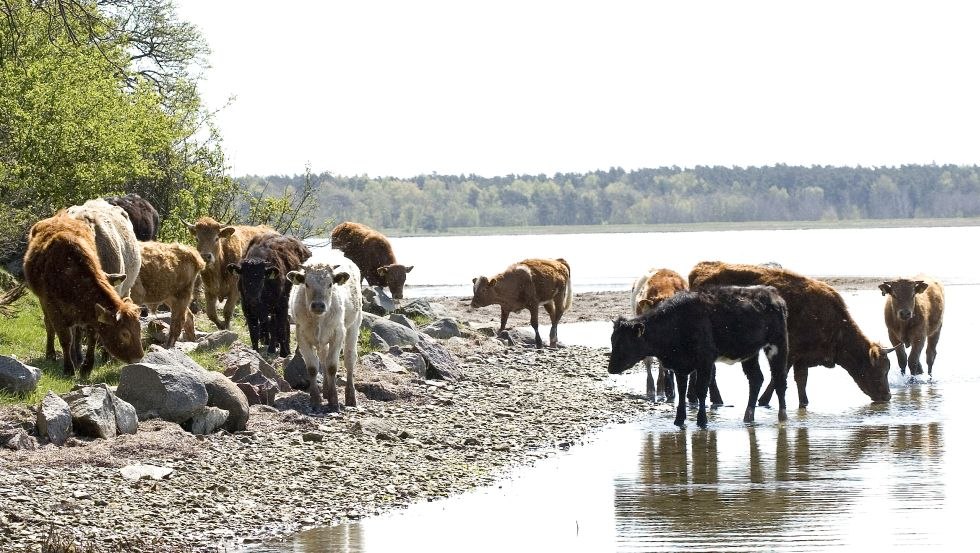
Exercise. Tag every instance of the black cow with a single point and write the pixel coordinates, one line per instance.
(145, 219)
(689, 331)
(265, 289)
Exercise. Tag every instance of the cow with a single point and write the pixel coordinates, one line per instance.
(325, 302)
(220, 246)
(264, 288)
(914, 317)
(168, 275)
(650, 289)
(527, 285)
(372, 253)
(689, 331)
(145, 219)
(821, 330)
(62, 268)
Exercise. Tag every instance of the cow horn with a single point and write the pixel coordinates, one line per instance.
(886, 351)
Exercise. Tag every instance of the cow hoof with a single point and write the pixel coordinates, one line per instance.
(782, 415)
(332, 408)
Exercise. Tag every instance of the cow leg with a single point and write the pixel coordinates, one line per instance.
(915, 366)
(681, 380)
(282, 325)
(692, 388)
(534, 324)
(210, 307)
(229, 309)
(652, 392)
(89, 362)
(931, 349)
(312, 361)
(65, 339)
(554, 315)
(800, 375)
(716, 400)
(350, 360)
(188, 328)
(254, 327)
(778, 367)
(49, 340)
(900, 351)
(178, 315)
(667, 376)
(705, 376)
(754, 374)
(504, 314)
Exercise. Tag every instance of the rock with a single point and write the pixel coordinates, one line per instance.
(382, 362)
(18, 440)
(127, 422)
(54, 418)
(443, 329)
(383, 391)
(375, 428)
(441, 364)
(266, 388)
(295, 401)
(403, 320)
(225, 394)
(91, 411)
(241, 356)
(251, 392)
(417, 308)
(312, 436)
(139, 470)
(296, 373)
(158, 331)
(378, 343)
(392, 333)
(217, 339)
(171, 392)
(207, 421)
(413, 362)
(17, 378)
(377, 301)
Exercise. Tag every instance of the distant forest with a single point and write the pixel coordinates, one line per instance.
(435, 203)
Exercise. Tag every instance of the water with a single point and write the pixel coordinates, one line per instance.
(844, 474)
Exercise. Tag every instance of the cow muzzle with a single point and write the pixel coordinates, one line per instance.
(905, 314)
(318, 307)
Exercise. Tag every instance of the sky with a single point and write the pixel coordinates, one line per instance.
(405, 88)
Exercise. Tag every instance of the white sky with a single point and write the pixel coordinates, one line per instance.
(402, 88)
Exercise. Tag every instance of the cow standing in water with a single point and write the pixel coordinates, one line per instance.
(914, 317)
(527, 285)
(689, 331)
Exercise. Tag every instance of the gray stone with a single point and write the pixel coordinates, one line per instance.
(377, 301)
(127, 422)
(441, 364)
(139, 470)
(392, 333)
(443, 329)
(403, 320)
(225, 394)
(217, 339)
(171, 392)
(414, 362)
(378, 343)
(54, 418)
(17, 439)
(382, 362)
(417, 308)
(375, 428)
(158, 331)
(208, 420)
(296, 373)
(163, 356)
(17, 378)
(243, 360)
(91, 411)
(383, 391)
(251, 392)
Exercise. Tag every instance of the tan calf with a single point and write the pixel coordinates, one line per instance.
(914, 317)
(167, 276)
(649, 290)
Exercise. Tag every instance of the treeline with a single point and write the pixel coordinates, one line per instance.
(645, 196)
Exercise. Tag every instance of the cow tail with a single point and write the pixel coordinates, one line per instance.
(567, 300)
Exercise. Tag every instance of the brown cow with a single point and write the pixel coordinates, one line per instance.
(653, 287)
(913, 315)
(526, 285)
(62, 268)
(821, 330)
(167, 276)
(372, 253)
(221, 245)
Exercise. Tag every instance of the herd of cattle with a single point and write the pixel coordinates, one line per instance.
(93, 266)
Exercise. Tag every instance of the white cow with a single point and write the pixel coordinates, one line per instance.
(115, 241)
(325, 303)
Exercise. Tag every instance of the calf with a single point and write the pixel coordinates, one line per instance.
(221, 246)
(372, 253)
(526, 285)
(326, 304)
(649, 290)
(821, 330)
(62, 268)
(691, 330)
(168, 275)
(914, 315)
(145, 219)
(264, 287)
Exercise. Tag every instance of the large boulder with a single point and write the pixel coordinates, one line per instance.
(17, 378)
(242, 360)
(295, 372)
(377, 301)
(417, 308)
(439, 361)
(54, 418)
(170, 392)
(91, 411)
(403, 320)
(443, 329)
(226, 395)
(127, 421)
(392, 333)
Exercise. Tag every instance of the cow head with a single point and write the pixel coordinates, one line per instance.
(208, 233)
(394, 278)
(484, 292)
(873, 381)
(646, 304)
(252, 276)
(315, 285)
(625, 335)
(903, 293)
(120, 331)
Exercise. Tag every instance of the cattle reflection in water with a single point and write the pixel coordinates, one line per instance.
(731, 490)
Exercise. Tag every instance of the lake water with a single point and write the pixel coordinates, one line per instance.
(844, 474)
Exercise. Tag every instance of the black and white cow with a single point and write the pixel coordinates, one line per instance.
(689, 331)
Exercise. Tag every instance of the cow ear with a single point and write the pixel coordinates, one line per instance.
(115, 279)
(296, 277)
(920, 286)
(271, 273)
(382, 271)
(225, 232)
(234, 268)
(474, 280)
(103, 315)
(492, 281)
(409, 268)
(645, 304)
(340, 278)
(885, 288)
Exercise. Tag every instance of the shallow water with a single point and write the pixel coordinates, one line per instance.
(845, 473)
